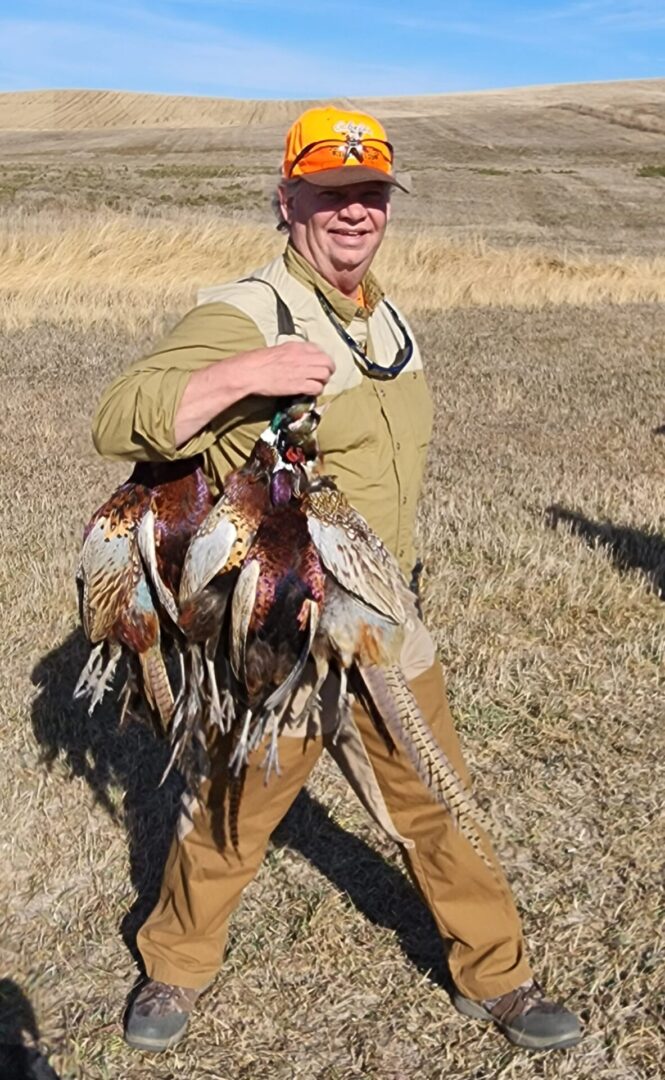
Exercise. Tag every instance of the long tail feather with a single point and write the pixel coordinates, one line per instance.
(188, 713)
(157, 685)
(400, 713)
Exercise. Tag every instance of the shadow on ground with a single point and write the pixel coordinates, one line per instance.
(374, 887)
(134, 759)
(20, 1059)
(628, 548)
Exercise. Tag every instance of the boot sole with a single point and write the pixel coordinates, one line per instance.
(475, 1011)
(154, 1046)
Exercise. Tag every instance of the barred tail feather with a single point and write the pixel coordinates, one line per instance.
(187, 726)
(156, 683)
(402, 717)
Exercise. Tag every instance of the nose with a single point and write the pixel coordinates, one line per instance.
(353, 211)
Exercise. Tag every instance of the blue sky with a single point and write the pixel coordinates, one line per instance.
(318, 48)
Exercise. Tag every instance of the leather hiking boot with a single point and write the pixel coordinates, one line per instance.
(159, 1016)
(526, 1017)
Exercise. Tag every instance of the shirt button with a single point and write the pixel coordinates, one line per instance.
(398, 446)
(404, 500)
(401, 553)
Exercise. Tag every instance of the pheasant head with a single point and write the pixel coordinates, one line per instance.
(295, 425)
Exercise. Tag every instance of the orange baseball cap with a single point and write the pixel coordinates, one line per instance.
(330, 147)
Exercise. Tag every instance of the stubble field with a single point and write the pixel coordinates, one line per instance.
(543, 532)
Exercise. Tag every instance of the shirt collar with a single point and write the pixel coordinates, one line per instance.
(345, 309)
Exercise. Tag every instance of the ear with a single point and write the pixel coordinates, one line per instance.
(285, 201)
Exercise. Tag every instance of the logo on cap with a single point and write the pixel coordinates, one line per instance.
(354, 139)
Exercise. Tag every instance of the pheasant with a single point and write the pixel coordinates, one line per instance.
(275, 612)
(210, 571)
(360, 629)
(128, 577)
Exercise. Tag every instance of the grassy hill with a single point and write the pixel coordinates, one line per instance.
(638, 104)
(564, 166)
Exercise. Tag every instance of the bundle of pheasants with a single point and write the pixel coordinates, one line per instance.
(279, 572)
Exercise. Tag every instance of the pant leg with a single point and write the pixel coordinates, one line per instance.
(472, 906)
(182, 942)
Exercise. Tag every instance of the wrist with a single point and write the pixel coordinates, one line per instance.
(243, 374)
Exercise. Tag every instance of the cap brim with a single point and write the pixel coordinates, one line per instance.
(350, 174)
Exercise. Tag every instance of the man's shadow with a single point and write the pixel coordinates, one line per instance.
(628, 548)
(134, 760)
(20, 1058)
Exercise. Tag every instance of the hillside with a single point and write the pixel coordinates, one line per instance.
(570, 168)
(631, 104)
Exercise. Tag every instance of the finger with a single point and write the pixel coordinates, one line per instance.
(317, 371)
(313, 387)
(314, 352)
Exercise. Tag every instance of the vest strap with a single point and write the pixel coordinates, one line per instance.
(285, 324)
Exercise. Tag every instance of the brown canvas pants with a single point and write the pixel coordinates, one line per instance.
(182, 942)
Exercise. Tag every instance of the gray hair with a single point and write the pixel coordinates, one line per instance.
(288, 186)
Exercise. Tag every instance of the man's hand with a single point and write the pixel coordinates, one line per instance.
(296, 367)
(293, 368)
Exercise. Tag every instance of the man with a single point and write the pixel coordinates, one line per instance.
(210, 389)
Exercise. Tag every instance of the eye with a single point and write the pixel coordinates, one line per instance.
(374, 197)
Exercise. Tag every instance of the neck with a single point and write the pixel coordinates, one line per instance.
(346, 281)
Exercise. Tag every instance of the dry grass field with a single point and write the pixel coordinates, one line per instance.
(538, 298)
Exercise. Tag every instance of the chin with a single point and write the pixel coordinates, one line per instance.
(350, 258)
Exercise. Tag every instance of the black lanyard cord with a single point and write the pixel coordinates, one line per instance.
(376, 371)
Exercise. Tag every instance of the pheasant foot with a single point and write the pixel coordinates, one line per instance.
(343, 712)
(241, 750)
(271, 760)
(90, 673)
(98, 682)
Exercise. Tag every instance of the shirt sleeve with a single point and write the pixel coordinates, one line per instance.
(135, 418)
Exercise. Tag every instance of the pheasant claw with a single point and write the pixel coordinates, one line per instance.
(90, 674)
(106, 678)
(271, 760)
(239, 756)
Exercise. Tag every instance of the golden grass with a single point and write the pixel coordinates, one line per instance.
(126, 270)
(75, 110)
(552, 641)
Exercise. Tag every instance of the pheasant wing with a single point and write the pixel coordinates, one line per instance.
(242, 610)
(147, 547)
(352, 552)
(107, 564)
(220, 544)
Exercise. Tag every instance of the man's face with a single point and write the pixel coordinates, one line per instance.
(337, 229)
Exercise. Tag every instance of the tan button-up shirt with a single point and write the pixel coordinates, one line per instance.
(373, 435)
